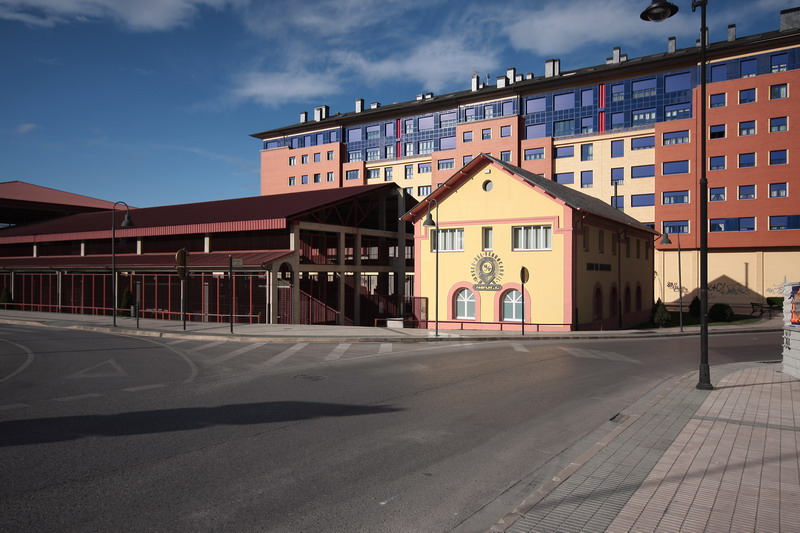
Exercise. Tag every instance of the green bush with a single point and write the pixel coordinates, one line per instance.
(694, 307)
(661, 317)
(720, 313)
(775, 300)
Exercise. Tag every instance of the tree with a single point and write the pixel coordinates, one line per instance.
(661, 317)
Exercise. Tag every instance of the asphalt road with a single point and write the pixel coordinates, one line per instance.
(101, 432)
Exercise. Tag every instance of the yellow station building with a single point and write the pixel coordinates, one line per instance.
(589, 265)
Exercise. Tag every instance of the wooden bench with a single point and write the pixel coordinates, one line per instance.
(760, 308)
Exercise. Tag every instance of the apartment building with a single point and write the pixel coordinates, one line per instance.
(625, 132)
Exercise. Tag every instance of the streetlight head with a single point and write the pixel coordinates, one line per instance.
(127, 222)
(659, 10)
(665, 239)
(429, 221)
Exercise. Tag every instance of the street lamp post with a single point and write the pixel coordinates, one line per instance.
(429, 222)
(657, 11)
(126, 222)
(665, 240)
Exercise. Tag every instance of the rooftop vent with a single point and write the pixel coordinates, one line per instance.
(420, 96)
(428, 96)
(790, 19)
(321, 113)
(511, 74)
(731, 32)
(303, 117)
(529, 76)
(502, 81)
(672, 45)
(476, 82)
(616, 56)
(552, 67)
(359, 105)
(374, 105)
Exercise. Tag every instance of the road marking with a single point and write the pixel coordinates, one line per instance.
(205, 346)
(614, 356)
(179, 341)
(386, 347)
(7, 330)
(10, 406)
(283, 355)
(28, 360)
(518, 347)
(106, 369)
(235, 353)
(599, 354)
(337, 352)
(77, 397)
(579, 352)
(145, 387)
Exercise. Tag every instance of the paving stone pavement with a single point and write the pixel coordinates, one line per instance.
(687, 460)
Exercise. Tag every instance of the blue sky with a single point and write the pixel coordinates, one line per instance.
(152, 102)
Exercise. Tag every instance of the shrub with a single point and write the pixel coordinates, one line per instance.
(694, 307)
(661, 316)
(775, 300)
(720, 313)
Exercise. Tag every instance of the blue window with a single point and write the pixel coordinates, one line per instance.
(732, 224)
(677, 82)
(371, 173)
(467, 137)
(778, 124)
(675, 226)
(747, 160)
(676, 137)
(784, 222)
(642, 200)
(447, 143)
(717, 73)
(388, 173)
(716, 131)
(747, 96)
(563, 127)
(534, 153)
(716, 162)
(505, 131)
(304, 179)
(778, 190)
(565, 177)
(643, 88)
(535, 131)
(618, 148)
(409, 171)
(676, 197)
(587, 152)
(643, 116)
(353, 135)
(747, 127)
(779, 62)
(617, 92)
(505, 156)
(350, 175)
(423, 190)
(424, 168)
(486, 134)
(677, 111)
(643, 171)
(445, 164)
(748, 68)
(587, 179)
(617, 175)
(587, 124)
(717, 100)
(292, 181)
(587, 97)
(534, 105)
(676, 167)
(779, 91)
(508, 108)
(716, 194)
(564, 151)
(618, 202)
(747, 192)
(617, 120)
(777, 157)
(643, 143)
(563, 101)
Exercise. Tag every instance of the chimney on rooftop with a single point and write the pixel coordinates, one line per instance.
(502, 81)
(616, 56)
(511, 74)
(374, 105)
(672, 45)
(790, 19)
(552, 67)
(359, 105)
(731, 32)
(476, 82)
(321, 112)
(303, 117)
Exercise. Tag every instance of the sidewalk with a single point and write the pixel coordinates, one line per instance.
(685, 460)
(306, 333)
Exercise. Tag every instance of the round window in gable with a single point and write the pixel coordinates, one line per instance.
(487, 185)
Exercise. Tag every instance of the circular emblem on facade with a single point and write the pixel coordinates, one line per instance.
(487, 271)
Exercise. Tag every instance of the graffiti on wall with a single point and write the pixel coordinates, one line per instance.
(675, 287)
(726, 288)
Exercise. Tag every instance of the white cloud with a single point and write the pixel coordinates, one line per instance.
(138, 15)
(26, 128)
(273, 89)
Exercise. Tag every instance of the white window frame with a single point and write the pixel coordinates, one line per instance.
(531, 238)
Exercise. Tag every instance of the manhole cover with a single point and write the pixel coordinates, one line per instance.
(308, 377)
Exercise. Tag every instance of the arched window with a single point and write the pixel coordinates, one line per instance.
(597, 305)
(512, 305)
(465, 304)
(613, 305)
(638, 297)
(627, 301)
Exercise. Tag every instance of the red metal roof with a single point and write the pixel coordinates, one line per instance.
(28, 192)
(217, 260)
(240, 214)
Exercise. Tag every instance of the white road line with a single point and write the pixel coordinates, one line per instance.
(204, 346)
(170, 343)
(614, 356)
(386, 347)
(337, 352)
(578, 352)
(237, 352)
(77, 397)
(518, 347)
(283, 355)
(145, 387)
(28, 360)
(10, 406)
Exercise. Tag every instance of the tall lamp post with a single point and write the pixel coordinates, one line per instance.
(429, 222)
(657, 11)
(665, 240)
(126, 222)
